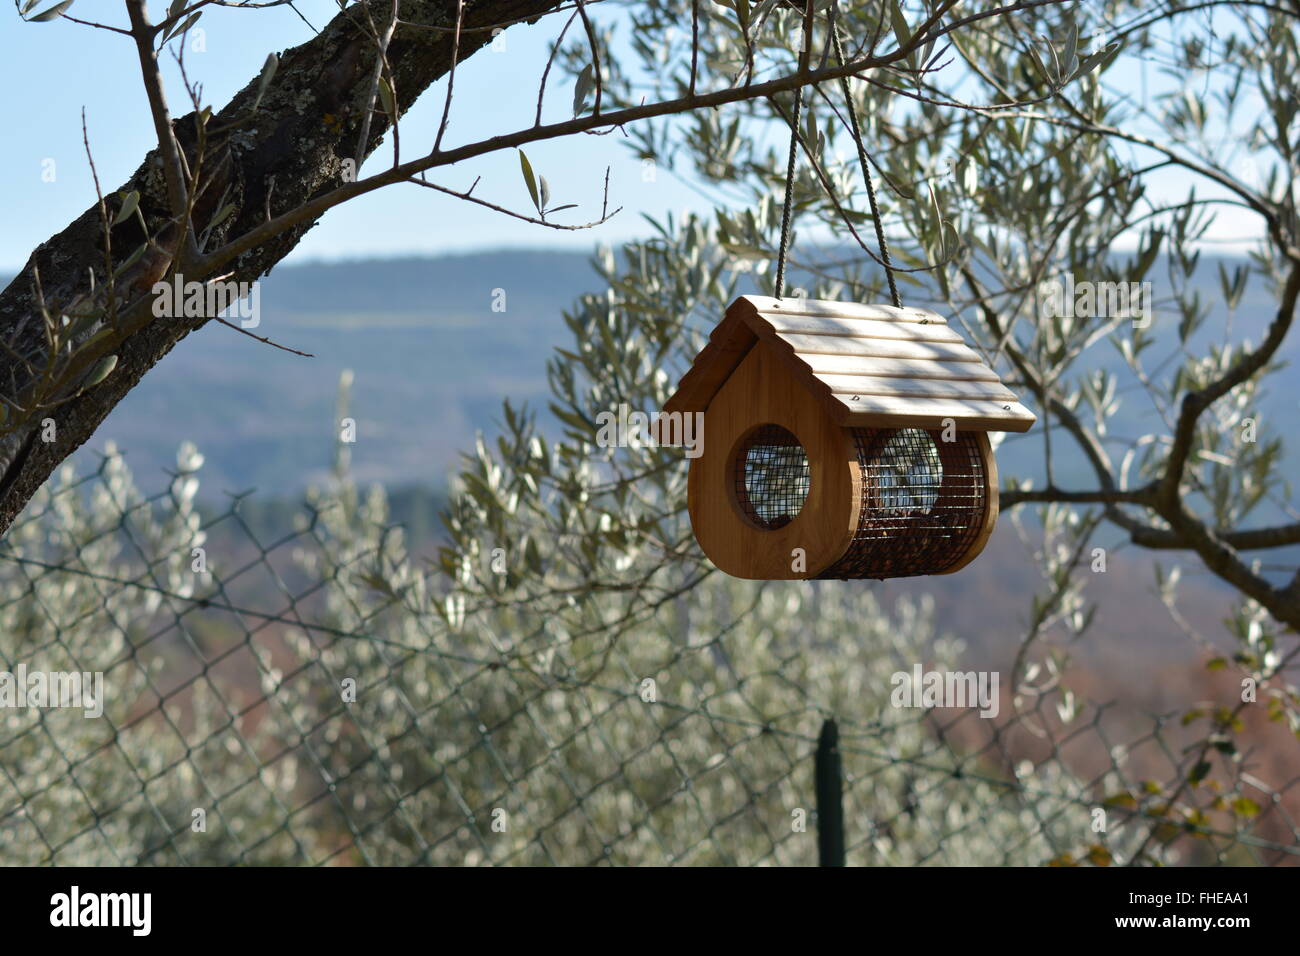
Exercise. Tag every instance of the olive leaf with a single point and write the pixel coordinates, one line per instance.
(181, 28)
(529, 179)
(101, 371)
(386, 95)
(264, 81)
(53, 13)
(582, 88)
(130, 203)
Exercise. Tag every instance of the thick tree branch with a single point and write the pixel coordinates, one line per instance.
(1194, 403)
(1113, 496)
(1164, 497)
(1254, 539)
(287, 150)
(319, 205)
(284, 154)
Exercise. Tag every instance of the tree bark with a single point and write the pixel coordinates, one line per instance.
(291, 151)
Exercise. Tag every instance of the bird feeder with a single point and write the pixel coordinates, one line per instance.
(842, 441)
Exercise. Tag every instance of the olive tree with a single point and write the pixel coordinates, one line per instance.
(1009, 148)
(1031, 173)
(227, 193)
(1014, 161)
(570, 669)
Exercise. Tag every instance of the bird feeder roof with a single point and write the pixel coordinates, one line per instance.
(871, 366)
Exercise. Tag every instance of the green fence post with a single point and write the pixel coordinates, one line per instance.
(830, 789)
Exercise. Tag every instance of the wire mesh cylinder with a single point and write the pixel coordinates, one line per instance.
(923, 506)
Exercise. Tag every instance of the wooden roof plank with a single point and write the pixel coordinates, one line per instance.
(846, 310)
(921, 388)
(964, 423)
(897, 412)
(728, 344)
(898, 368)
(860, 328)
(869, 365)
(808, 345)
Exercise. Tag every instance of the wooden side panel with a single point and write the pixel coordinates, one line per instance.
(763, 391)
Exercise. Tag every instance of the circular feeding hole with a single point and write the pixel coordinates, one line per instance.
(771, 477)
(907, 472)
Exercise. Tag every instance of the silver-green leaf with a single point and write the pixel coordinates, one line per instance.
(53, 13)
(130, 203)
(529, 179)
(582, 88)
(102, 370)
(264, 81)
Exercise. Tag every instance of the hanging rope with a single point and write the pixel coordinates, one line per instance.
(866, 175)
(863, 160)
(805, 52)
(784, 245)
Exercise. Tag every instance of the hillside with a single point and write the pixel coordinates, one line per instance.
(432, 363)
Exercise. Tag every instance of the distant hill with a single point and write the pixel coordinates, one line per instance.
(432, 363)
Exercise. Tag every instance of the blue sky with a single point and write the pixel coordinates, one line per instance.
(497, 92)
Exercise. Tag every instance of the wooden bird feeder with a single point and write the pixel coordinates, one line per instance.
(824, 451)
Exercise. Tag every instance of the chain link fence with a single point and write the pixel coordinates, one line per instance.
(274, 694)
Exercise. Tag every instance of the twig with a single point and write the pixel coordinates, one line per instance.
(242, 331)
(451, 74)
(595, 54)
(546, 71)
(168, 146)
(381, 42)
(517, 215)
(314, 208)
(103, 215)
